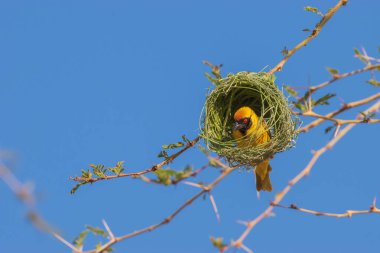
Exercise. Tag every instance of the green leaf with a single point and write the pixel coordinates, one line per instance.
(291, 91)
(271, 78)
(371, 115)
(368, 116)
(217, 242)
(285, 51)
(174, 145)
(76, 187)
(164, 176)
(188, 169)
(98, 172)
(360, 56)
(313, 10)
(163, 154)
(212, 79)
(203, 150)
(374, 82)
(79, 240)
(299, 105)
(328, 129)
(99, 246)
(215, 71)
(180, 175)
(86, 174)
(323, 100)
(118, 169)
(119, 164)
(184, 138)
(332, 71)
(213, 163)
(97, 231)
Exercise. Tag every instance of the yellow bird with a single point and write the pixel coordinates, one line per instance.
(249, 132)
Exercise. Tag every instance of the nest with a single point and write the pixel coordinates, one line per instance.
(260, 93)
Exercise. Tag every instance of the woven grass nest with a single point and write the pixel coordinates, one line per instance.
(261, 94)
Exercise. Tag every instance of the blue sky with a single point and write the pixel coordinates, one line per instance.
(102, 81)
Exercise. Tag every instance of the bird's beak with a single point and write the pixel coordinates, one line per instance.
(238, 126)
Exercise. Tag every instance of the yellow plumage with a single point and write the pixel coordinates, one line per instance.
(250, 132)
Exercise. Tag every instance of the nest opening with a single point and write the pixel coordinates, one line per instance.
(261, 94)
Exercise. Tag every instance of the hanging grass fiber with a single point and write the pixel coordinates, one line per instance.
(258, 92)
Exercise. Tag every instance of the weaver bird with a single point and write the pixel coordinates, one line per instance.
(249, 131)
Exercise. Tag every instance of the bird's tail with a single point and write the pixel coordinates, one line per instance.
(262, 171)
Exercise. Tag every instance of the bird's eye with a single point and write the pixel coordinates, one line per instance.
(245, 121)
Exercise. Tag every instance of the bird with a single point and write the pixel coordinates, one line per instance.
(249, 131)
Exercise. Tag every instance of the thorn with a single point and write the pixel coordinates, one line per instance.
(111, 236)
(336, 130)
(373, 206)
(244, 223)
(246, 249)
(193, 184)
(214, 206)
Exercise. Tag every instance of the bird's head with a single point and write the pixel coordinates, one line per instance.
(242, 119)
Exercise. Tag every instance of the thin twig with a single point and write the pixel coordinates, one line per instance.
(226, 171)
(176, 181)
(110, 234)
(214, 206)
(139, 173)
(27, 198)
(348, 213)
(279, 196)
(345, 107)
(337, 121)
(335, 78)
(61, 239)
(314, 34)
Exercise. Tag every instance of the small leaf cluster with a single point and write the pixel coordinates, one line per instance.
(79, 240)
(207, 154)
(374, 82)
(333, 72)
(284, 51)
(168, 176)
(367, 61)
(218, 243)
(367, 116)
(98, 171)
(164, 154)
(215, 71)
(313, 10)
(303, 103)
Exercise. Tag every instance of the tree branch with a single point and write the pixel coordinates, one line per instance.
(205, 189)
(314, 34)
(345, 107)
(348, 213)
(337, 77)
(139, 173)
(338, 121)
(279, 196)
(27, 198)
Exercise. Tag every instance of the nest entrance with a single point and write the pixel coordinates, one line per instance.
(259, 93)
